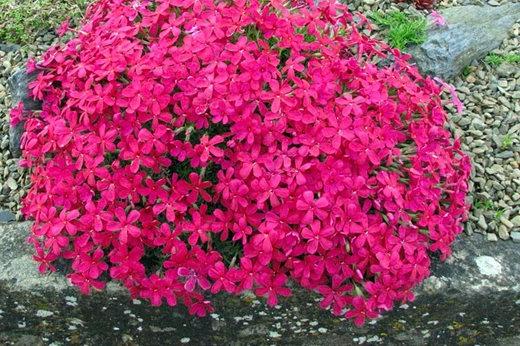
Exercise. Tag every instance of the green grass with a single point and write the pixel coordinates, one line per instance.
(402, 29)
(499, 213)
(466, 71)
(507, 141)
(497, 59)
(21, 21)
(488, 205)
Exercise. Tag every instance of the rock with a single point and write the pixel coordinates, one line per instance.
(506, 222)
(9, 47)
(471, 79)
(488, 265)
(29, 340)
(516, 221)
(505, 154)
(17, 265)
(492, 237)
(476, 272)
(471, 32)
(18, 84)
(478, 124)
(482, 222)
(44, 313)
(12, 184)
(6, 216)
(515, 236)
(464, 121)
(495, 169)
(15, 137)
(503, 233)
(506, 70)
(254, 330)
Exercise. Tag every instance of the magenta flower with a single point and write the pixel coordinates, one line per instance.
(272, 287)
(193, 279)
(186, 148)
(361, 310)
(63, 28)
(156, 289)
(437, 18)
(312, 207)
(125, 224)
(317, 235)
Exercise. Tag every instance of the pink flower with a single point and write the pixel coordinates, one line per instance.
(66, 221)
(437, 18)
(312, 207)
(453, 93)
(31, 65)
(92, 266)
(361, 310)
(16, 115)
(221, 276)
(335, 296)
(273, 287)
(85, 283)
(125, 224)
(193, 279)
(63, 28)
(155, 289)
(193, 147)
(318, 236)
(45, 259)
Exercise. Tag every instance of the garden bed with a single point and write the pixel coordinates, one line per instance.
(479, 270)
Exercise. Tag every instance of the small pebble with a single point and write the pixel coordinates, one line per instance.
(515, 236)
(492, 237)
(44, 313)
(503, 233)
(274, 335)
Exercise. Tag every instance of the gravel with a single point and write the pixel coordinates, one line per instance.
(515, 236)
(14, 181)
(492, 139)
(489, 128)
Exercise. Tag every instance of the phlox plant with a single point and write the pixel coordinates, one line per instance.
(189, 147)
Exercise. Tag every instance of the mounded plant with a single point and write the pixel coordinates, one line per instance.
(188, 147)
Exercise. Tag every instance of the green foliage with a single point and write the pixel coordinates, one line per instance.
(466, 71)
(402, 29)
(507, 141)
(497, 59)
(485, 204)
(499, 213)
(21, 21)
(489, 205)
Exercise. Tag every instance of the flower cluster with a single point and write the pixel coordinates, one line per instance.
(188, 147)
(422, 4)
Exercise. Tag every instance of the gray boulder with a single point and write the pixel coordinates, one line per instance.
(18, 85)
(471, 32)
(9, 47)
(473, 298)
(6, 216)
